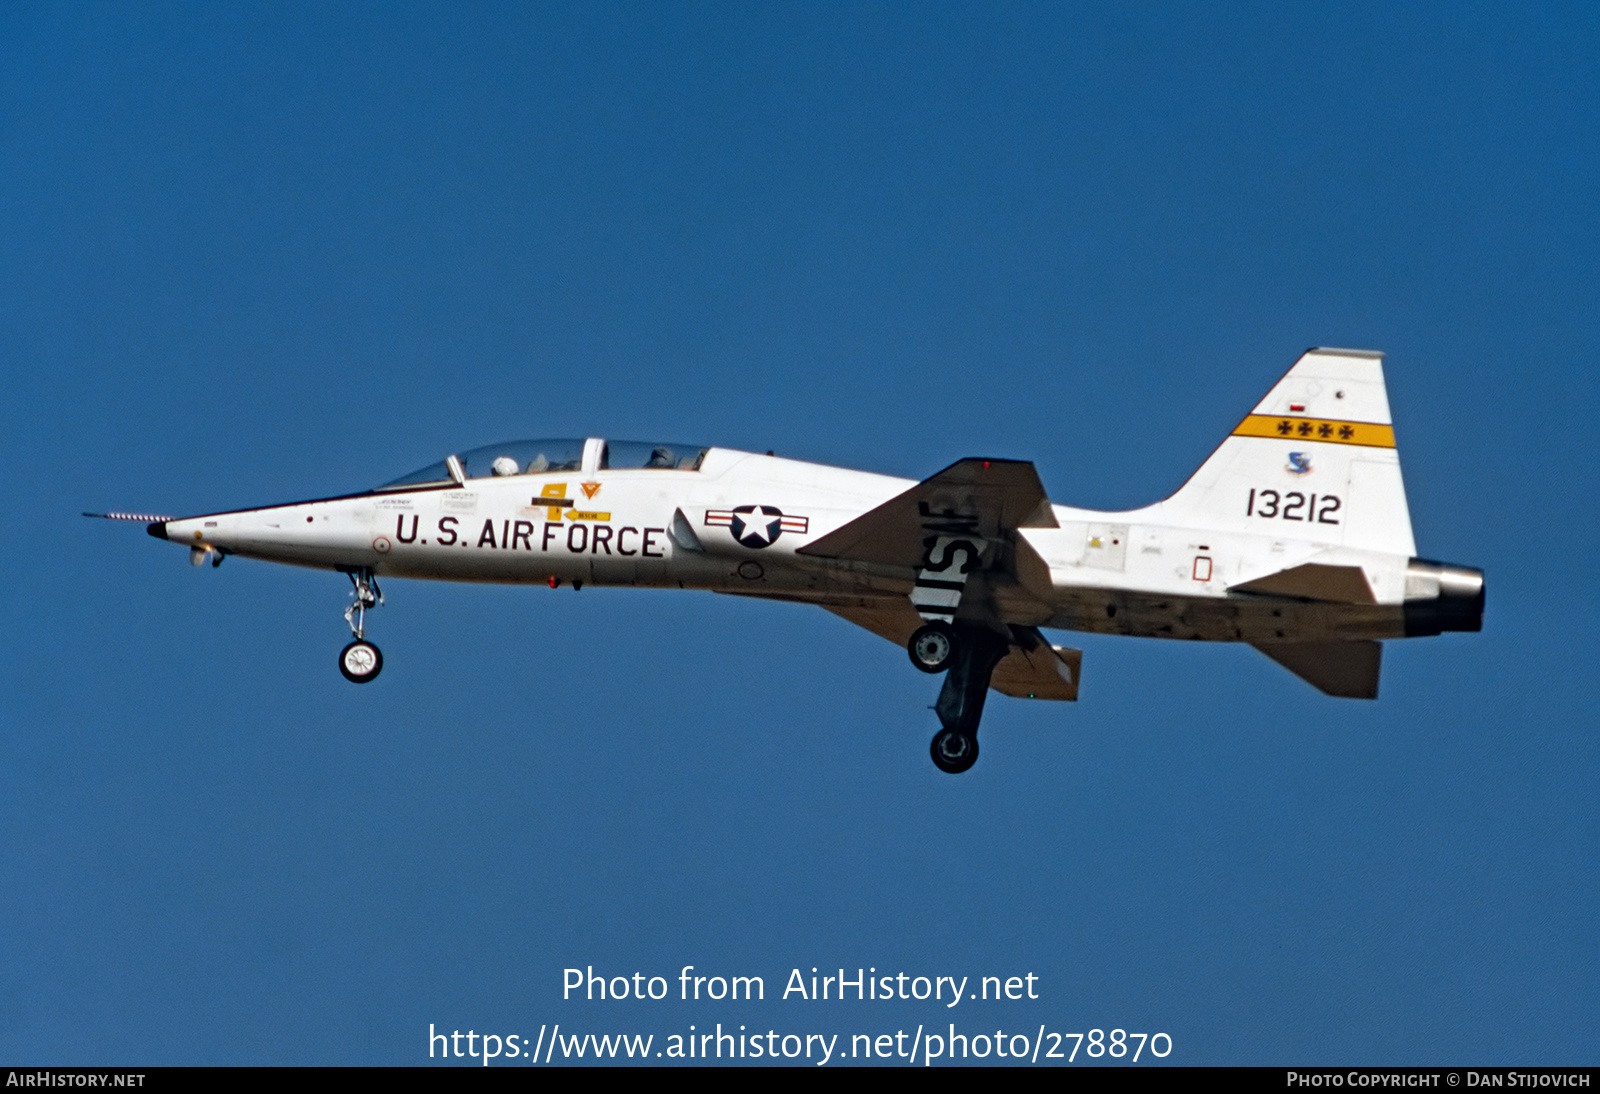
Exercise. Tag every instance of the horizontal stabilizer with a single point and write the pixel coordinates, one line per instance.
(1346, 669)
(972, 497)
(1314, 581)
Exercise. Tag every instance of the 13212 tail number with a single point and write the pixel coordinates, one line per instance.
(1293, 505)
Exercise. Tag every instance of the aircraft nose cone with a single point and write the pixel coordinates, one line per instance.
(157, 528)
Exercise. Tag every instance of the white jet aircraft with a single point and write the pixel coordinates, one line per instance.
(1293, 537)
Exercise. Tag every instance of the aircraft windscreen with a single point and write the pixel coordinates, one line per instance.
(565, 454)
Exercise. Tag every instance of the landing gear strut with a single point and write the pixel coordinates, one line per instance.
(361, 661)
(975, 653)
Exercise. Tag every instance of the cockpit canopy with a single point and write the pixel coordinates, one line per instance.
(565, 454)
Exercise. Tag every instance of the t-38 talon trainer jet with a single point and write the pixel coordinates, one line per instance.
(1294, 537)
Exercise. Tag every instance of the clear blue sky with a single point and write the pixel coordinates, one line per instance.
(258, 253)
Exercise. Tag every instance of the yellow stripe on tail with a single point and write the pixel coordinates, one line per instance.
(1294, 428)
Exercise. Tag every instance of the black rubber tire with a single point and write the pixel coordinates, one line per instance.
(932, 635)
(953, 752)
(362, 654)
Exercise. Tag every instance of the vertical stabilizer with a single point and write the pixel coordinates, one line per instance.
(1315, 460)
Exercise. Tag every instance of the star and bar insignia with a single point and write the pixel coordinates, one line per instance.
(756, 526)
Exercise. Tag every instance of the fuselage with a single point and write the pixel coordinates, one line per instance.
(1294, 536)
(734, 522)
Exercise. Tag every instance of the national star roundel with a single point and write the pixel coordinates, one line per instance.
(756, 526)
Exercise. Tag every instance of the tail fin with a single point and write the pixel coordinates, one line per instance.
(1315, 460)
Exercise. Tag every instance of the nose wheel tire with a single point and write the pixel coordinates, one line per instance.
(932, 647)
(360, 661)
(954, 752)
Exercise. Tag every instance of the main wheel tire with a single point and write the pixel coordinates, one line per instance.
(360, 662)
(932, 646)
(954, 752)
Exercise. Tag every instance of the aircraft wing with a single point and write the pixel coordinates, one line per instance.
(971, 497)
(1042, 672)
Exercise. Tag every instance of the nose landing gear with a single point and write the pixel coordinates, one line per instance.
(361, 661)
(972, 658)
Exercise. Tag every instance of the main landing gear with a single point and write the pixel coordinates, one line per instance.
(968, 655)
(361, 661)
(932, 646)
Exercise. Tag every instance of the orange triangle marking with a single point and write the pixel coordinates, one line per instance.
(590, 489)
